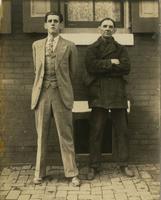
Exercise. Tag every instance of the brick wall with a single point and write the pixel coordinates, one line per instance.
(17, 125)
(144, 90)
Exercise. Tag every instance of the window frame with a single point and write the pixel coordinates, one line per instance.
(141, 24)
(35, 24)
(5, 24)
(91, 24)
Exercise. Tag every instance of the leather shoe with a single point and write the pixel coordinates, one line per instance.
(75, 181)
(126, 171)
(37, 181)
(91, 173)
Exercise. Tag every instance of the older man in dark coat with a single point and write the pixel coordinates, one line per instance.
(107, 62)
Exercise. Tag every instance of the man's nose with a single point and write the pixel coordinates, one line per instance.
(107, 28)
(52, 22)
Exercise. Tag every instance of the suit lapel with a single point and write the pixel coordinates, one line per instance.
(60, 50)
(41, 50)
(110, 48)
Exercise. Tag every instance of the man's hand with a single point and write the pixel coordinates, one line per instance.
(115, 61)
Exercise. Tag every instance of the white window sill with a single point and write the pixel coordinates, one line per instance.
(82, 107)
(89, 38)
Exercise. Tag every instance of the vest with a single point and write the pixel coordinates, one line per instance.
(50, 75)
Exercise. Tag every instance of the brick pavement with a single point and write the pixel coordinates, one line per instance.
(110, 184)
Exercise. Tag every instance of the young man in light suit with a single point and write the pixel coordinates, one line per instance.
(55, 60)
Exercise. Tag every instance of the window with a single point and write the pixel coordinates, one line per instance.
(145, 16)
(34, 12)
(83, 16)
(1, 14)
(88, 13)
(5, 16)
(39, 8)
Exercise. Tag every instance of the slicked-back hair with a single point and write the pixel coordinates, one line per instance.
(54, 13)
(107, 18)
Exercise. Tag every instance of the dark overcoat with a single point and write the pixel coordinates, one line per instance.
(105, 81)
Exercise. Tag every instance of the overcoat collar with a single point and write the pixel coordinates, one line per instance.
(60, 50)
(106, 47)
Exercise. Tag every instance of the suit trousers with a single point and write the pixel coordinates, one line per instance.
(50, 104)
(97, 125)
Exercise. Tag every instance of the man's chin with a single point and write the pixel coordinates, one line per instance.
(53, 32)
(107, 36)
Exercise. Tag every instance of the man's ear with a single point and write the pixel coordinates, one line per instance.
(45, 26)
(99, 29)
(61, 26)
(114, 30)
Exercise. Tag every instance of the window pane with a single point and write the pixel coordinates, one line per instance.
(80, 10)
(148, 9)
(1, 11)
(88, 13)
(40, 8)
(107, 9)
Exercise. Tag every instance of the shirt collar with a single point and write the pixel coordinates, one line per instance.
(55, 39)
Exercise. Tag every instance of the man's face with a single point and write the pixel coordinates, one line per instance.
(107, 28)
(52, 25)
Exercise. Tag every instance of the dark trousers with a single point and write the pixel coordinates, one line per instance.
(98, 121)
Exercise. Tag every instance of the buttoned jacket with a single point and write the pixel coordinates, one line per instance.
(106, 81)
(65, 65)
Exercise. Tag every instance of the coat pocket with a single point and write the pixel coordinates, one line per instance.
(88, 79)
(94, 89)
(121, 88)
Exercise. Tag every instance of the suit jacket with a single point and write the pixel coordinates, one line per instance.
(66, 63)
(106, 83)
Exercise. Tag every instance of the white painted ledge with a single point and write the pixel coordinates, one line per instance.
(89, 38)
(81, 107)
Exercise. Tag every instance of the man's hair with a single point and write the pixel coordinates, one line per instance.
(107, 18)
(54, 13)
